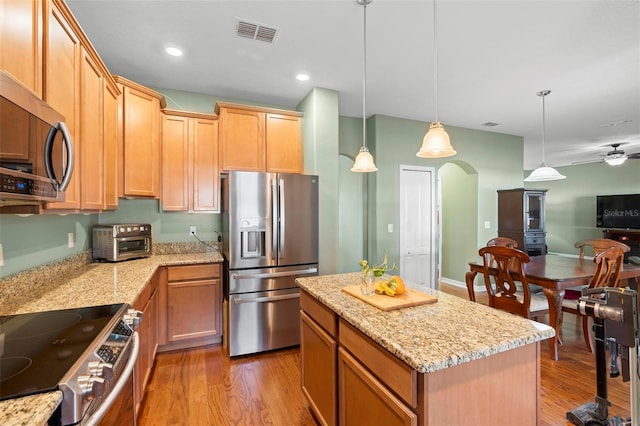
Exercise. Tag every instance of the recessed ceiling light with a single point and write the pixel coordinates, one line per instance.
(302, 77)
(173, 51)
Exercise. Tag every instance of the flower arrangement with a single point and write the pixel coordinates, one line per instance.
(377, 270)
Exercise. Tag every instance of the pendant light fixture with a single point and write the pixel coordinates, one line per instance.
(436, 143)
(364, 160)
(544, 173)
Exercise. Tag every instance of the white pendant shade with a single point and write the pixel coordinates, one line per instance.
(543, 173)
(436, 143)
(364, 162)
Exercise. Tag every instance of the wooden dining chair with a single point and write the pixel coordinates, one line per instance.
(502, 288)
(607, 274)
(497, 241)
(599, 245)
(594, 246)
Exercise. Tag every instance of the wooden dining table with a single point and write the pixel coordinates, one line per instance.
(555, 274)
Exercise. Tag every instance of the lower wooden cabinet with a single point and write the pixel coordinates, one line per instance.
(319, 368)
(192, 298)
(147, 303)
(365, 400)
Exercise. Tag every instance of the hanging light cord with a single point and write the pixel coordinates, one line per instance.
(435, 58)
(364, 78)
(543, 94)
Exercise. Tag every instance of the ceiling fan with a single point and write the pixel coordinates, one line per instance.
(617, 157)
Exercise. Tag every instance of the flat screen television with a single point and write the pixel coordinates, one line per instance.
(618, 211)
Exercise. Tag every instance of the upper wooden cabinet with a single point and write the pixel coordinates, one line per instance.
(139, 141)
(259, 139)
(190, 175)
(61, 90)
(90, 166)
(110, 135)
(21, 29)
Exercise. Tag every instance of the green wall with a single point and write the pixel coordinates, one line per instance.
(320, 135)
(570, 204)
(33, 240)
(485, 160)
(495, 158)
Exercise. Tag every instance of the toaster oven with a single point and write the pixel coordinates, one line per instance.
(114, 243)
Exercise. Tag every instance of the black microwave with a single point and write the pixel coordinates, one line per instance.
(36, 151)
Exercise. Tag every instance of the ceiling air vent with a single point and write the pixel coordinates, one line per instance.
(490, 124)
(256, 31)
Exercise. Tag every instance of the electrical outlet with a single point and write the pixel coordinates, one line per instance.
(192, 230)
(1, 256)
(71, 239)
(487, 224)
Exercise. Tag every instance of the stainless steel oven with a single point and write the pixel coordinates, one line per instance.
(114, 243)
(86, 353)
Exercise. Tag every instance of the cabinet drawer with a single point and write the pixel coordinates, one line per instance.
(364, 400)
(324, 316)
(193, 272)
(531, 240)
(398, 376)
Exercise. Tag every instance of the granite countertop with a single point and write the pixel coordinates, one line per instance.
(428, 337)
(73, 286)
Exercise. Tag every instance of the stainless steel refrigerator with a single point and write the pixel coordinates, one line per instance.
(270, 237)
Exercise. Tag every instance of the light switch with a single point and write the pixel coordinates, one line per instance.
(487, 224)
(1, 256)
(70, 238)
(390, 227)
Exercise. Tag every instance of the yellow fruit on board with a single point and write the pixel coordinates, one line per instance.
(398, 283)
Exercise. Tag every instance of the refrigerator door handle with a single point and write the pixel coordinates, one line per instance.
(275, 225)
(238, 300)
(282, 224)
(275, 274)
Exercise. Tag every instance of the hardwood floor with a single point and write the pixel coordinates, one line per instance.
(203, 386)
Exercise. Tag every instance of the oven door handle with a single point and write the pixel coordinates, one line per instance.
(239, 300)
(275, 274)
(124, 377)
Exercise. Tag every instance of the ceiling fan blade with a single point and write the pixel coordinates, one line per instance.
(635, 156)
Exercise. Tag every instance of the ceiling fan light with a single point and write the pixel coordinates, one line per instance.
(436, 143)
(544, 173)
(615, 160)
(364, 162)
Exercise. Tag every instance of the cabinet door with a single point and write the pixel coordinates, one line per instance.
(91, 152)
(363, 400)
(534, 211)
(175, 163)
(141, 150)
(21, 41)
(110, 136)
(206, 177)
(319, 368)
(284, 144)
(193, 309)
(17, 143)
(61, 69)
(242, 139)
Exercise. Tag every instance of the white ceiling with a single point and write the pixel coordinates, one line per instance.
(493, 56)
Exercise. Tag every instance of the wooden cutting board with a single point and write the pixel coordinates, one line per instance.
(388, 303)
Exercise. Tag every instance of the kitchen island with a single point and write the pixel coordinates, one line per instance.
(453, 362)
(74, 283)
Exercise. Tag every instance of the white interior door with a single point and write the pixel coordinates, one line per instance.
(417, 225)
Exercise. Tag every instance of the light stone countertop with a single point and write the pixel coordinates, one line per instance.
(73, 286)
(428, 337)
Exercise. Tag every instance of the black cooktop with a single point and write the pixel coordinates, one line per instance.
(37, 349)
